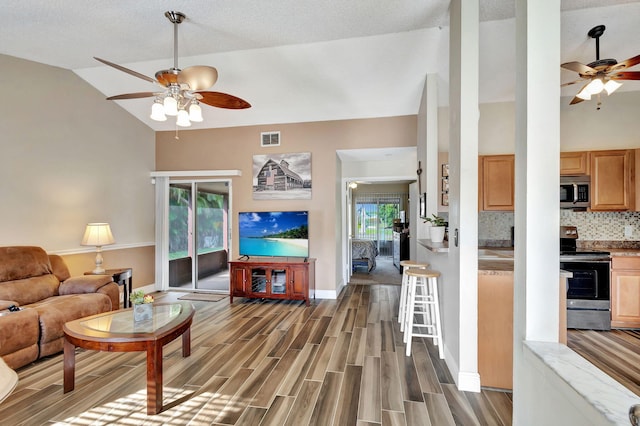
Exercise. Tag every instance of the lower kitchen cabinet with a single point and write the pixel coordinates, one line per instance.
(495, 330)
(264, 279)
(495, 327)
(625, 292)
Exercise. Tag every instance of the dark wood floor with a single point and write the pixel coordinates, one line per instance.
(337, 362)
(615, 352)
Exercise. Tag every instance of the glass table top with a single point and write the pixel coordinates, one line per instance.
(122, 322)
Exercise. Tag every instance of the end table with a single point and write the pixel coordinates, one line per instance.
(123, 277)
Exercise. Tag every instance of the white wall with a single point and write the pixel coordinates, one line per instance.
(68, 157)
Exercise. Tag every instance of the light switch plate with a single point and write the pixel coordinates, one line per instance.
(628, 231)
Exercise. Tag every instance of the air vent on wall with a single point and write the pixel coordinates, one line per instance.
(270, 138)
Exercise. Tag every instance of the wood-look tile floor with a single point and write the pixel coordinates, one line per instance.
(337, 362)
(614, 352)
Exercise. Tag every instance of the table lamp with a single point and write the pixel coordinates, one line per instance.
(98, 234)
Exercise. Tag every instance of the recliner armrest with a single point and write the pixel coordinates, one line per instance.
(4, 304)
(84, 284)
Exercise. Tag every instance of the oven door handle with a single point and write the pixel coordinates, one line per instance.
(575, 193)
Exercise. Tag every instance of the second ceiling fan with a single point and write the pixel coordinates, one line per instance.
(602, 74)
(182, 90)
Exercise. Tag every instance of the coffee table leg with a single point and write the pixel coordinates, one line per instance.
(69, 366)
(154, 378)
(186, 343)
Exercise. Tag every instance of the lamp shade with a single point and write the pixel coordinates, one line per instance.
(157, 112)
(183, 119)
(97, 234)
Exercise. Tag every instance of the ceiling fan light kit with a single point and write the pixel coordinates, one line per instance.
(601, 74)
(183, 90)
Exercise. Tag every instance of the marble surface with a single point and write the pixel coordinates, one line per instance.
(600, 390)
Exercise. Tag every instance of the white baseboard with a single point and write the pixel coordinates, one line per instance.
(465, 380)
(468, 381)
(147, 288)
(326, 294)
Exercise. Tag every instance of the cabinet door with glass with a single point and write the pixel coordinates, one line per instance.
(268, 282)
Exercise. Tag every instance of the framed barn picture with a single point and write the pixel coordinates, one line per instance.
(282, 176)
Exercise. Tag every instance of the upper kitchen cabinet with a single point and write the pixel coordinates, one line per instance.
(496, 183)
(574, 163)
(612, 180)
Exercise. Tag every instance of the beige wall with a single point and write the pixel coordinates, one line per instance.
(68, 157)
(582, 126)
(233, 148)
(140, 259)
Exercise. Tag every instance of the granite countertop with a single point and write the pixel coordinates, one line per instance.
(442, 247)
(616, 248)
(495, 267)
(623, 252)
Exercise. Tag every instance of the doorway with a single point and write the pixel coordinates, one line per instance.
(198, 237)
(377, 214)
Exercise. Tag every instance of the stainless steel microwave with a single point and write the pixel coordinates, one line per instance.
(575, 192)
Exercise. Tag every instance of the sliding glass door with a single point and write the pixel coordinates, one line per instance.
(373, 218)
(199, 235)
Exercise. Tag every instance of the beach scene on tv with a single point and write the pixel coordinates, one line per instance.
(281, 234)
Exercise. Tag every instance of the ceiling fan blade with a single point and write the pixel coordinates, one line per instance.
(127, 70)
(626, 75)
(131, 96)
(579, 68)
(627, 64)
(198, 77)
(222, 100)
(571, 82)
(576, 100)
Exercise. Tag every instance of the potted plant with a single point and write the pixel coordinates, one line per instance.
(436, 231)
(142, 308)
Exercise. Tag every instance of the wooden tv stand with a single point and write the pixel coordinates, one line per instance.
(273, 278)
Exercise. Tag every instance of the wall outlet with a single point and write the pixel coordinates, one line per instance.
(628, 231)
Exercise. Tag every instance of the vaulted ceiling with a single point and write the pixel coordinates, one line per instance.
(297, 60)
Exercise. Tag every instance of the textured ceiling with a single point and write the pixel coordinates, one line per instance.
(296, 60)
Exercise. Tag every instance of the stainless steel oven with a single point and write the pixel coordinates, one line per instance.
(588, 291)
(588, 301)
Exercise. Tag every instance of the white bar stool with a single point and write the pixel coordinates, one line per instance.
(422, 293)
(402, 303)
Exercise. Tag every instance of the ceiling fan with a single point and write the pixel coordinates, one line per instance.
(602, 74)
(183, 90)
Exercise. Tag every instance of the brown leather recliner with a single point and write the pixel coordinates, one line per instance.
(48, 296)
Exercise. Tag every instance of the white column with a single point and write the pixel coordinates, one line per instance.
(537, 179)
(463, 202)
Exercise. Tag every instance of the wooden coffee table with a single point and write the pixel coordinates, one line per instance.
(116, 331)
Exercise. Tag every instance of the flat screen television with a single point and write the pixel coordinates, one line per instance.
(281, 234)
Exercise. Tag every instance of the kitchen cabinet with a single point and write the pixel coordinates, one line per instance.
(264, 279)
(495, 330)
(495, 325)
(613, 180)
(574, 163)
(496, 182)
(625, 291)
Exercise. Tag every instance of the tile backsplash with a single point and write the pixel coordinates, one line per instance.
(592, 226)
(494, 225)
(603, 225)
